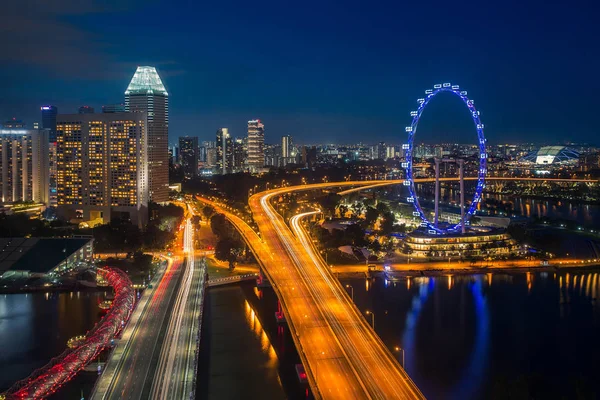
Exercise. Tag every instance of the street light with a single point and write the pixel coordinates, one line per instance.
(372, 318)
(351, 292)
(398, 349)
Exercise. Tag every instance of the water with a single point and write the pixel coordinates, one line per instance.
(587, 215)
(244, 353)
(35, 327)
(482, 336)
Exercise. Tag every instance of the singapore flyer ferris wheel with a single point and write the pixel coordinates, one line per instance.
(434, 227)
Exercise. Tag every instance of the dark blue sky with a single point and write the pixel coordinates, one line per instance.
(320, 71)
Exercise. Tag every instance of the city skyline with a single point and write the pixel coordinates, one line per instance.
(356, 81)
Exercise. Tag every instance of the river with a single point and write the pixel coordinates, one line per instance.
(464, 337)
(491, 336)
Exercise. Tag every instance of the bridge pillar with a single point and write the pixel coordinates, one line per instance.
(261, 280)
(279, 315)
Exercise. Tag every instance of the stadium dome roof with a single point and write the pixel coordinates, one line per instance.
(551, 155)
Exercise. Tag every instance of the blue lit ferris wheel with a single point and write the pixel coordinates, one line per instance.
(433, 227)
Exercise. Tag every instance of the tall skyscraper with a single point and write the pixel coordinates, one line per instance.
(224, 146)
(24, 165)
(146, 92)
(103, 167)
(85, 110)
(256, 144)
(239, 155)
(188, 154)
(286, 146)
(49, 121)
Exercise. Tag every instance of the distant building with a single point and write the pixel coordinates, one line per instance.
(552, 155)
(211, 157)
(308, 156)
(589, 162)
(146, 92)
(49, 121)
(256, 143)
(390, 152)
(188, 154)
(24, 165)
(14, 124)
(239, 155)
(25, 258)
(102, 167)
(224, 146)
(287, 150)
(85, 110)
(113, 108)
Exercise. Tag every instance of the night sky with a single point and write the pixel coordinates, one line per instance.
(321, 71)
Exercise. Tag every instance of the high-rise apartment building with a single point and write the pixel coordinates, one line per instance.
(239, 155)
(24, 172)
(256, 143)
(85, 110)
(224, 146)
(286, 146)
(287, 151)
(103, 167)
(188, 155)
(49, 121)
(146, 92)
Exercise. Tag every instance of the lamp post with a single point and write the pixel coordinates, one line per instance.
(399, 349)
(351, 291)
(372, 318)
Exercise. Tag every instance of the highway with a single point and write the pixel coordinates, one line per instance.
(342, 356)
(156, 356)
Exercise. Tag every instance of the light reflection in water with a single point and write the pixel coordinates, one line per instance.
(256, 327)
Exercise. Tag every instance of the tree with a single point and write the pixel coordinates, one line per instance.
(387, 225)
(329, 202)
(218, 224)
(226, 250)
(371, 215)
(208, 212)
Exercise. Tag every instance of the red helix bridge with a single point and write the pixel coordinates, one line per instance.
(49, 378)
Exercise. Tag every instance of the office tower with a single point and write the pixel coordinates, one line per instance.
(202, 155)
(256, 143)
(53, 170)
(211, 157)
(224, 151)
(49, 121)
(309, 156)
(439, 151)
(103, 167)
(286, 146)
(14, 124)
(146, 92)
(85, 110)
(188, 153)
(239, 155)
(113, 108)
(390, 152)
(272, 155)
(24, 165)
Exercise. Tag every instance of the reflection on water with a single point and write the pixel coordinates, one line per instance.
(530, 335)
(261, 334)
(35, 327)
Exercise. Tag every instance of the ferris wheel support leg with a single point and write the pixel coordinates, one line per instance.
(437, 190)
(461, 164)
